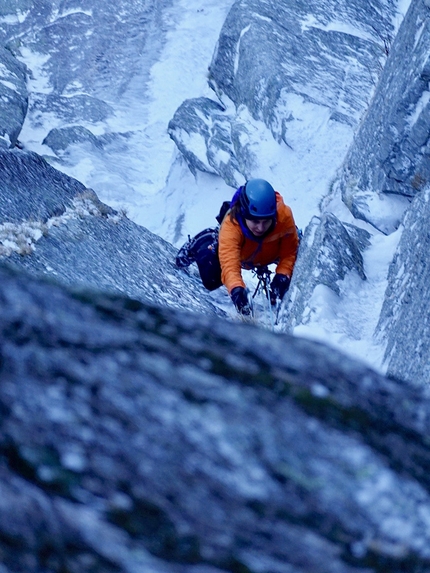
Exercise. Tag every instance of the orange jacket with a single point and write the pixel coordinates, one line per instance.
(237, 251)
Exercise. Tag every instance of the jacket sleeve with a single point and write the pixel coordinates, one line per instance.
(230, 243)
(288, 247)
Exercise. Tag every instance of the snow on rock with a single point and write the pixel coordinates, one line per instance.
(288, 86)
(204, 135)
(328, 252)
(327, 53)
(51, 225)
(13, 97)
(404, 321)
(388, 163)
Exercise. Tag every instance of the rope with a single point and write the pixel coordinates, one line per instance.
(263, 287)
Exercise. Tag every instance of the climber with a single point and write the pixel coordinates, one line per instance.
(257, 229)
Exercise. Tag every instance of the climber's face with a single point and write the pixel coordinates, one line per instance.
(258, 227)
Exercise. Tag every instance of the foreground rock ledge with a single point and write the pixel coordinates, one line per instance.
(139, 439)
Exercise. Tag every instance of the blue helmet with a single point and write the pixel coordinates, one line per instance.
(257, 200)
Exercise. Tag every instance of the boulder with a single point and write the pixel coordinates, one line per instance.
(59, 139)
(203, 134)
(137, 438)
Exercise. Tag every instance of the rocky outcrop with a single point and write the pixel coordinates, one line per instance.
(268, 56)
(31, 189)
(389, 161)
(404, 321)
(13, 98)
(85, 46)
(385, 182)
(60, 139)
(267, 50)
(256, 67)
(328, 251)
(85, 55)
(51, 225)
(206, 137)
(140, 438)
(136, 438)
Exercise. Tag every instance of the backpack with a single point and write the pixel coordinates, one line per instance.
(223, 211)
(207, 258)
(203, 250)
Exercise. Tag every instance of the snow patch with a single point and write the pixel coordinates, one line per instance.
(21, 238)
(237, 54)
(17, 18)
(342, 27)
(420, 106)
(9, 85)
(348, 321)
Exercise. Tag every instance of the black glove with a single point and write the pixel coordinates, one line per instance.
(240, 300)
(279, 286)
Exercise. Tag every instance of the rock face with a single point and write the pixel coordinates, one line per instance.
(134, 438)
(91, 41)
(13, 97)
(259, 60)
(388, 164)
(89, 53)
(204, 120)
(30, 189)
(329, 250)
(260, 65)
(404, 319)
(51, 225)
(385, 179)
(140, 438)
(268, 55)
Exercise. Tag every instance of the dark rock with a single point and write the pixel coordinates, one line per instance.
(30, 189)
(13, 97)
(59, 139)
(203, 134)
(139, 439)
